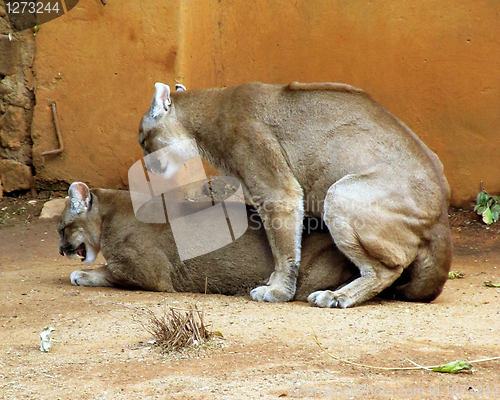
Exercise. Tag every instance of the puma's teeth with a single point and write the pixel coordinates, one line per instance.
(81, 252)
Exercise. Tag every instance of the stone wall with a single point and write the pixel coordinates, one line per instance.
(17, 100)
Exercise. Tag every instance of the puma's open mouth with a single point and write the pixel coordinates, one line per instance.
(81, 251)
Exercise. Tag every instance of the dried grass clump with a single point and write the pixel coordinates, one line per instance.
(177, 328)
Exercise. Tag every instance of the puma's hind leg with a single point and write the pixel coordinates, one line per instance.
(370, 224)
(375, 278)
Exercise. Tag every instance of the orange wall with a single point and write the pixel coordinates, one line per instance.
(99, 63)
(434, 64)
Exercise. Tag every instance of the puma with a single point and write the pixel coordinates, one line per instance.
(323, 150)
(143, 255)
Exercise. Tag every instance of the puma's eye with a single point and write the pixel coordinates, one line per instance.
(142, 137)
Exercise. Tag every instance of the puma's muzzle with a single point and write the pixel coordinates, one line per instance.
(71, 251)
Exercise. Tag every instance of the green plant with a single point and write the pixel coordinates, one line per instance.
(488, 206)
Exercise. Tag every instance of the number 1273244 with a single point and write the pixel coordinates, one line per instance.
(31, 7)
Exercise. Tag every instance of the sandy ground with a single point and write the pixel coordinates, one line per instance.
(268, 350)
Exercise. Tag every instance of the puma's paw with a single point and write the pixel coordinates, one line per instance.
(327, 298)
(78, 278)
(273, 294)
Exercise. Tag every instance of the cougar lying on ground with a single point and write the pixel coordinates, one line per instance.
(143, 256)
(324, 150)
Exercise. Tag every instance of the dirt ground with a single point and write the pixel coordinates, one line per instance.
(268, 350)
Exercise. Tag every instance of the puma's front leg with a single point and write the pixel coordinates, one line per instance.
(98, 277)
(283, 223)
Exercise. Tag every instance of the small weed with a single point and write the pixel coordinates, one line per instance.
(487, 206)
(177, 328)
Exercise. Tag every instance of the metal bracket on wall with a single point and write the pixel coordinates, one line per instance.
(58, 132)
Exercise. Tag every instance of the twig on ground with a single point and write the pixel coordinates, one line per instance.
(417, 367)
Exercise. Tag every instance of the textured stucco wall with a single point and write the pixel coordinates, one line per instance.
(99, 64)
(434, 64)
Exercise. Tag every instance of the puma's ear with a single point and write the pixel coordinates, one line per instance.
(161, 100)
(79, 197)
(179, 87)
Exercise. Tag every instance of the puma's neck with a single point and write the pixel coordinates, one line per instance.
(199, 111)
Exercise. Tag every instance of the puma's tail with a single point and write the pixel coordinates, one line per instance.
(424, 279)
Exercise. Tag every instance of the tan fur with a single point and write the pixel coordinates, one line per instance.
(321, 149)
(144, 256)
